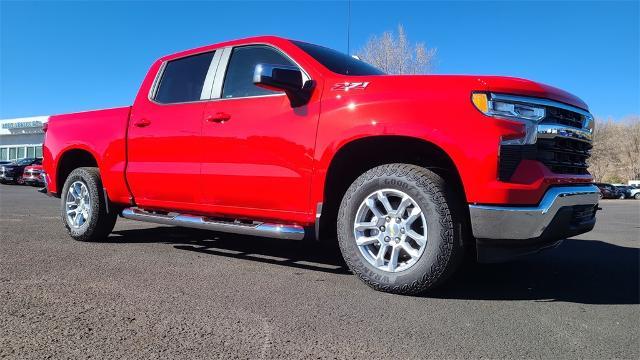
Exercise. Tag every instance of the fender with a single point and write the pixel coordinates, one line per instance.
(435, 112)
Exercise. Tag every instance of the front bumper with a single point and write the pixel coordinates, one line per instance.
(506, 231)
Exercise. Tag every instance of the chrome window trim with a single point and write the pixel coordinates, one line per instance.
(541, 101)
(216, 89)
(218, 75)
(224, 64)
(205, 94)
(156, 81)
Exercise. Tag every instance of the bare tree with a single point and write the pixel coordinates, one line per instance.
(615, 156)
(394, 54)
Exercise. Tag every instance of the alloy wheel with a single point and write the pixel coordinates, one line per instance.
(390, 230)
(78, 204)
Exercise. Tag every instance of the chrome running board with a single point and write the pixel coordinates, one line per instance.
(279, 231)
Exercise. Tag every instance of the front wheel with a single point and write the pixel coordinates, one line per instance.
(637, 196)
(83, 206)
(399, 229)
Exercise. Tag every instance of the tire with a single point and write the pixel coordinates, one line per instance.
(95, 224)
(621, 197)
(443, 247)
(637, 196)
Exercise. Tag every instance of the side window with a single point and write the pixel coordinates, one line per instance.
(182, 79)
(238, 81)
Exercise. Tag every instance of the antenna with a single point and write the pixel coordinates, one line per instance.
(349, 27)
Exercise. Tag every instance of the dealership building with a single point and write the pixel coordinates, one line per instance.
(21, 137)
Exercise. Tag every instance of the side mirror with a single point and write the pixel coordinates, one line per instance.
(284, 78)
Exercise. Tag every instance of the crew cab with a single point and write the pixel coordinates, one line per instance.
(279, 138)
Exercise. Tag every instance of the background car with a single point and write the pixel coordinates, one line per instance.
(608, 191)
(32, 175)
(12, 173)
(629, 192)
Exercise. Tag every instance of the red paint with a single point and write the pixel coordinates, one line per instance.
(259, 158)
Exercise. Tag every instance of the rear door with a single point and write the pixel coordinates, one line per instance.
(164, 134)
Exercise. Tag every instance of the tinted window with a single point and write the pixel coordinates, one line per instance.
(238, 82)
(338, 62)
(182, 79)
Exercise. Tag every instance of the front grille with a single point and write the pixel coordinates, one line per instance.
(564, 117)
(563, 155)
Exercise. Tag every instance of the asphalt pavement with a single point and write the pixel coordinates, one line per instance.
(164, 292)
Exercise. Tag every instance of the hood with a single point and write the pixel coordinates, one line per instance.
(517, 86)
(465, 83)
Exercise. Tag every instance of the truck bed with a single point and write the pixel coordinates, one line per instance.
(101, 133)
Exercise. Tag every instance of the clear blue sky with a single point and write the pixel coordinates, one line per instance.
(58, 57)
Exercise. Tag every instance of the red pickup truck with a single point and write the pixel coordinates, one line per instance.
(279, 138)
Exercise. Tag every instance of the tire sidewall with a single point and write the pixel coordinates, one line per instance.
(429, 268)
(93, 187)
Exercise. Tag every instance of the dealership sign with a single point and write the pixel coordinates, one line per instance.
(22, 125)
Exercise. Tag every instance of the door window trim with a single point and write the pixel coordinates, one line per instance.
(216, 94)
(206, 86)
(214, 79)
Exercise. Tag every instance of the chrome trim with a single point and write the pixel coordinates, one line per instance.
(550, 131)
(317, 223)
(216, 88)
(157, 80)
(205, 94)
(156, 83)
(280, 231)
(516, 223)
(540, 101)
(535, 129)
(216, 94)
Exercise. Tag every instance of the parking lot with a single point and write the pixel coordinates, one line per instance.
(162, 292)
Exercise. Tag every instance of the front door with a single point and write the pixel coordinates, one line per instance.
(257, 149)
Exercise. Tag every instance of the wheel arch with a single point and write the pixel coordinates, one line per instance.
(69, 160)
(357, 156)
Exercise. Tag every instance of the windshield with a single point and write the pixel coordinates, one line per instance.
(338, 62)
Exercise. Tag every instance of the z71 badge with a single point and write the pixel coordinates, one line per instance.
(346, 86)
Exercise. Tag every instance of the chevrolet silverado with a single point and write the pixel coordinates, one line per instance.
(279, 138)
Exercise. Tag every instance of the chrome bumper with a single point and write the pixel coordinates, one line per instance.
(512, 222)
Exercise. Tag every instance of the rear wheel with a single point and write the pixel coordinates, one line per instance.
(399, 229)
(83, 206)
(637, 196)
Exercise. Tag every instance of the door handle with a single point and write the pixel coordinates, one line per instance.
(142, 123)
(219, 117)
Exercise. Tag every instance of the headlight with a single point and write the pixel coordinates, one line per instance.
(515, 108)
